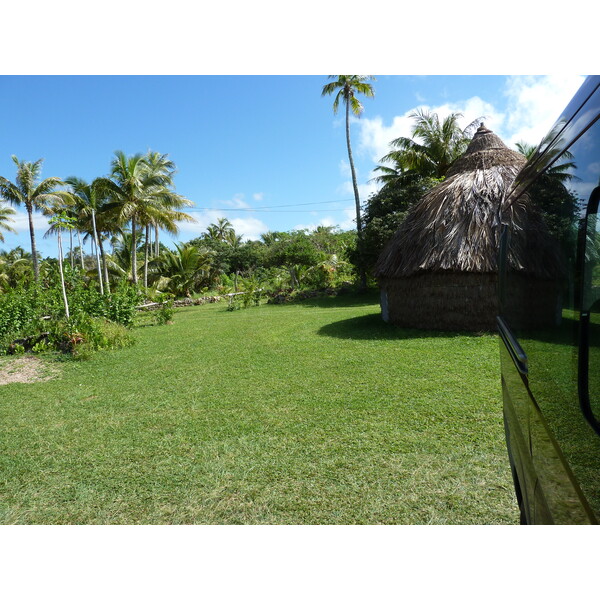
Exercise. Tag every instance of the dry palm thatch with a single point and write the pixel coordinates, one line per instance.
(439, 270)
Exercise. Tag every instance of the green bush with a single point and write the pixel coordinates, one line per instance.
(34, 318)
(83, 333)
(165, 313)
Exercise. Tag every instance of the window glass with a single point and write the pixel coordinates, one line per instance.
(543, 299)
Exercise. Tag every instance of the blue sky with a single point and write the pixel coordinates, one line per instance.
(266, 152)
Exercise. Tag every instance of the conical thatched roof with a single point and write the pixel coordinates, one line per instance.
(455, 226)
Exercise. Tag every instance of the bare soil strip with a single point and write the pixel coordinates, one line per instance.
(25, 369)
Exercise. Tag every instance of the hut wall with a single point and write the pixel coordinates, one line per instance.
(532, 303)
(452, 301)
(455, 301)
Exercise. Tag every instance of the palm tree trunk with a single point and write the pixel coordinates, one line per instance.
(71, 255)
(156, 245)
(146, 248)
(80, 250)
(36, 268)
(62, 277)
(133, 252)
(361, 269)
(97, 251)
(104, 265)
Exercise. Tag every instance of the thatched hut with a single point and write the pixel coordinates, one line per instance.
(439, 271)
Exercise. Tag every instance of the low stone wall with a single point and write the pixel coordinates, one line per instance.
(188, 301)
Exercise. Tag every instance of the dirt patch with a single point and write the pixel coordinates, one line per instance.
(25, 369)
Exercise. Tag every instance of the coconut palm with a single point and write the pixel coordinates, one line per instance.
(158, 163)
(434, 146)
(59, 221)
(164, 199)
(30, 192)
(120, 262)
(88, 199)
(141, 193)
(161, 210)
(347, 86)
(6, 213)
(128, 188)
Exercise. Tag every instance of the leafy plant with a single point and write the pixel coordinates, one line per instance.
(165, 313)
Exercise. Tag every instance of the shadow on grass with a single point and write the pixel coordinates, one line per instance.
(372, 327)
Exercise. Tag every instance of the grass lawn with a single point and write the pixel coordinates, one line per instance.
(295, 414)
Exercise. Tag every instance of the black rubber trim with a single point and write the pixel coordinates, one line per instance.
(514, 348)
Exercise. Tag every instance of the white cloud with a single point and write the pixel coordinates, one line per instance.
(236, 202)
(364, 189)
(534, 103)
(258, 196)
(530, 106)
(344, 167)
(249, 228)
(330, 221)
(21, 224)
(594, 168)
(375, 136)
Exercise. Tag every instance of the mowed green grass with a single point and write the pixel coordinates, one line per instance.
(314, 413)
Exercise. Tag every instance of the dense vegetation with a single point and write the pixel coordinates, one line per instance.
(89, 296)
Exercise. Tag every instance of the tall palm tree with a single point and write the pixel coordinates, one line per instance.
(347, 86)
(433, 148)
(141, 193)
(32, 193)
(6, 213)
(128, 186)
(59, 221)
(87, 199)
(158, 163)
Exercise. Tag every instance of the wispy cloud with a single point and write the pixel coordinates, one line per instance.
(21, 224)
(236, 202)
(375, 136)
(250, 228)
(535, 103)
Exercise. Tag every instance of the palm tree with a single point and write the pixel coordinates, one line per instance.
(434, 146)
(159, 163)
(224, 229)
(30, 192)
(141, 191)
(61, 220)
(87, 199)
(347, 86)
(128, 186)
(120, 262)
(6, 213)
(185, 268)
